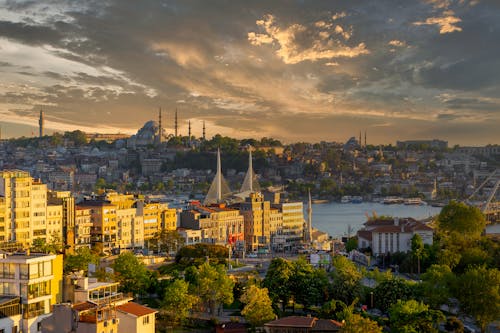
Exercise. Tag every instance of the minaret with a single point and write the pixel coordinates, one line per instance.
(365, 139)
(160, 128)
(175, 123)
(40, 124)
(308, 231)
(189, 132)
(360, 142)
(204, 130)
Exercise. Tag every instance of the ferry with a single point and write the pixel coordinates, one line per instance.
(345, 199)
(414, 201)
(351, 199)
(392, 200)
(356, 199)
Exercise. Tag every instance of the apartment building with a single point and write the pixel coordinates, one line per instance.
(83, 226)
(36, 280)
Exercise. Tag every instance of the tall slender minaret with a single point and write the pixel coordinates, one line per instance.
(41, 122)
(308, 231)
(360, 142)
(365, 139)
(160, 128)
(204, 138)
(189, 132)
(175, 123)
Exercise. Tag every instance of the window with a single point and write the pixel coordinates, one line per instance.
(145, 320)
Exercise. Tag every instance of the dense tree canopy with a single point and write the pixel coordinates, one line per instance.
(414, 317)
(258, 306)
(478, 291)
(459, 218)
(131, 273)
(346, 277)
(177, 301)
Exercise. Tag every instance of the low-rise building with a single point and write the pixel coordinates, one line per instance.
(135, 318)
(392, 235)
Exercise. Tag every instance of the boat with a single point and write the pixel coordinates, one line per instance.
(345, 199)
(356, 199)
(413, 201)
(392, 200)
(351, 199)
(319, 201)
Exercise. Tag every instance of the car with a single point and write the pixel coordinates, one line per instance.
(252, 255)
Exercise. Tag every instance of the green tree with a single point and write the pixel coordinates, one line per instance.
(346, 277)
(213, 286)
(436, 285)
(131, 273)
(177, 302)
(460, 219)
(277, 281)
(80, 260)
(478, 291)
(414, 317)
(166, 241)
(454, 325)
(308, 286)
(359, 324)
(417, 248)
(389, 291)
(352, 244)
(258, 306)
(198, 253)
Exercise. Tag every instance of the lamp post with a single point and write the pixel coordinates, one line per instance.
(371, 299)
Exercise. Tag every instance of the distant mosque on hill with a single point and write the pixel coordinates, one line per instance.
(154, 133)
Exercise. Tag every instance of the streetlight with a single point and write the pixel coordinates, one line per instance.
(371, 299)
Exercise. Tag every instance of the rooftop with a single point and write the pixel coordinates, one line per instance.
(135, 309)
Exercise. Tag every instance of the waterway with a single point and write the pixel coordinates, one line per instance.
(335, 218)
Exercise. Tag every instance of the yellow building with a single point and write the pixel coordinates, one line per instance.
(67, 201)
(3, 221)
(257, 215)
(156, 216)
(126, 222)
(83, 226)
(121, 201)
(54, 232)
(38, 205)
(104, 230)
(37, 280)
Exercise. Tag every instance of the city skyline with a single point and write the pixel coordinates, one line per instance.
(296, 71)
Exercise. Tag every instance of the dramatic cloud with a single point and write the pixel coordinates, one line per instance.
(300, 70)
(297, 43)
(447, 24)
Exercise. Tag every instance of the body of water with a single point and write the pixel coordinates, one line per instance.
(335, 218)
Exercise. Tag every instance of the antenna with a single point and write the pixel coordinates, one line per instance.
(189, 132)
(204, 130)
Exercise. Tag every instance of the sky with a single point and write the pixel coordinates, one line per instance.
(292, 70)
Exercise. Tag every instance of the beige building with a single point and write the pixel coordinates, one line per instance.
(83, 226)
(293, 223)
(38, 216)
(126, 224)
(54, 230)
(67, 201)
(135, 318)
(216, 222)
(257, 216)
